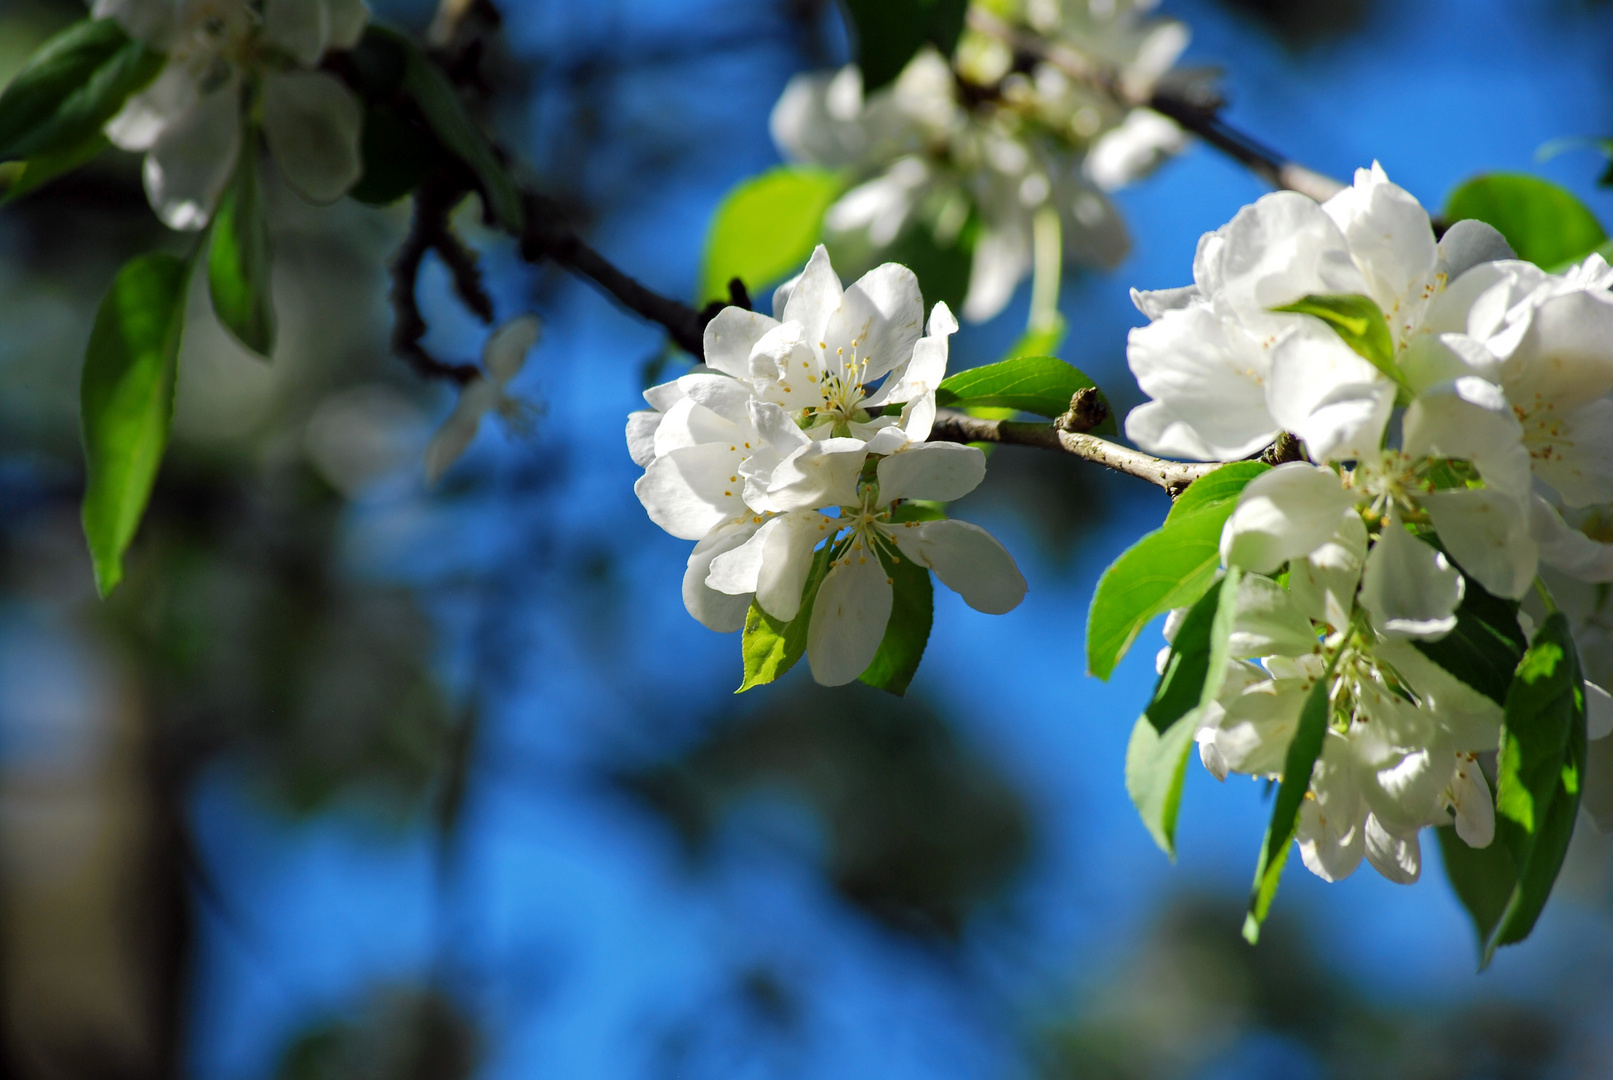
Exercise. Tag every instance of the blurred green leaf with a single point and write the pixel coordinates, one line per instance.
(1042, 385)
(238, 259)
(771, 646)
(1303, 751)
(70, 88)
(907, 632)
(127, 401)
(1043, 341)
(1359, 322)
(397, 157)
(889, 32)
(41, 169)
(766, 227)
(1486, 645)
(1170, 567)
(1545, 224)
(1482, 878)
(1539, 774)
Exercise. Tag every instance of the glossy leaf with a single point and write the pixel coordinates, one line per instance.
(908, 631)
(41, 169)
(70, 88)
(766, 227)
(1042, 385)
(1545, 223)
(1303, 751)
(1539, 774)
(126, 401)
(238, 259)
(1359, 322)
(1168, 568)
(889, 32)
(1482, 879)
(771, 646)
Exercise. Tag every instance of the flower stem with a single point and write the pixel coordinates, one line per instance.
(1047, 242)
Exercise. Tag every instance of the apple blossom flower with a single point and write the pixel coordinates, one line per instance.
(502, 359)
(224, 55)
(1226, 373)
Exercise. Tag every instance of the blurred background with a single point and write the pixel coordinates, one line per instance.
(359, 779)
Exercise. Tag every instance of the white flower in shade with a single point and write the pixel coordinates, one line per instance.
(1226, 373)
(502, 359)
(974, 139)
(223, 55)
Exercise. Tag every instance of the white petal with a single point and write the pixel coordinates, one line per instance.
(1597, 799)
(1155, 427)
(878, 320)
(730, 337)
(663, 396)
(1313, 371)
(927, 367)
(1468, 243)
(728, 398)
(788, 560)
(1157, 302)
(641, 427)
(1280, 249)
(147, 114)
(689, 424)
(1566, 548)
(822, 474)
(1133, 149)
(938, 471)
(1398, 858)
(347, 19)
(1347, 423)
(505, 352)
(715, 610)
(1001, 258)
(967, 559)
(1259, 724)
(153, 23)
(1409, 587)
(300, 27)
(1268, 621)
(1573, 451)
(1210, 374)
(776, 428)
(1598, 712)
(1469, 418)
(816, 295)
(1488, 534)
(1323, 583)
(456, 433)
(1282, 514)
(687, 491)
(187, 169)
(1565, 355)
(311, 122)
(1470, 798)
(1332, 823)
(1389, 236)
(848, 618)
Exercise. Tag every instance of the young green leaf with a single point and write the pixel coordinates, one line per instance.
(126, 401)
(1042, 385)
(1303, 751)
(907, 632)
(1156, 756)
(771, 646)
(397, 156)
(41, 169)
(1486, 645)
(1359, 322)
(1545, 224)
(70, 88)
(1169, 568)
(238, 259)
(453, 127)
(889, 32)
(1539, 774)
(766, 227)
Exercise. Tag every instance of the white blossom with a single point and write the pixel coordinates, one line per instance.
(222, 55)
(502, 359)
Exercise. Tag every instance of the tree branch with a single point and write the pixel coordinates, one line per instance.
(1202, 119)
(1173, 476)
(429, 230)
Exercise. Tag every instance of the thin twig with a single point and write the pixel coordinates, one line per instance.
(1173, 476)
(428, 231)
(1201, 119)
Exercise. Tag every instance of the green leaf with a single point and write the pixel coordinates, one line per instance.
(1486, 645)
(70, 88)
(41, 169)
(1169, 568)
(1545, 224)
(766, 227)
(1359, 322)
(446, 116)
(907, 632)
(1482, 878)
(889, 32)
(1539, 774)
(1042, 385)
(127, 401)
(917, 510)
(1156, 756)
(238, 259)
(397, 156)
(1303, 751)
(771, 646)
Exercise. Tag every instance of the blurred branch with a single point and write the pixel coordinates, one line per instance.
(1173, 476)
(1202, 119)
(429, 230)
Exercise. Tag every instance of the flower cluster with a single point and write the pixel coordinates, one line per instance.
(806, 435)
(1474, 451)
(986, 139)
(231, 66)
